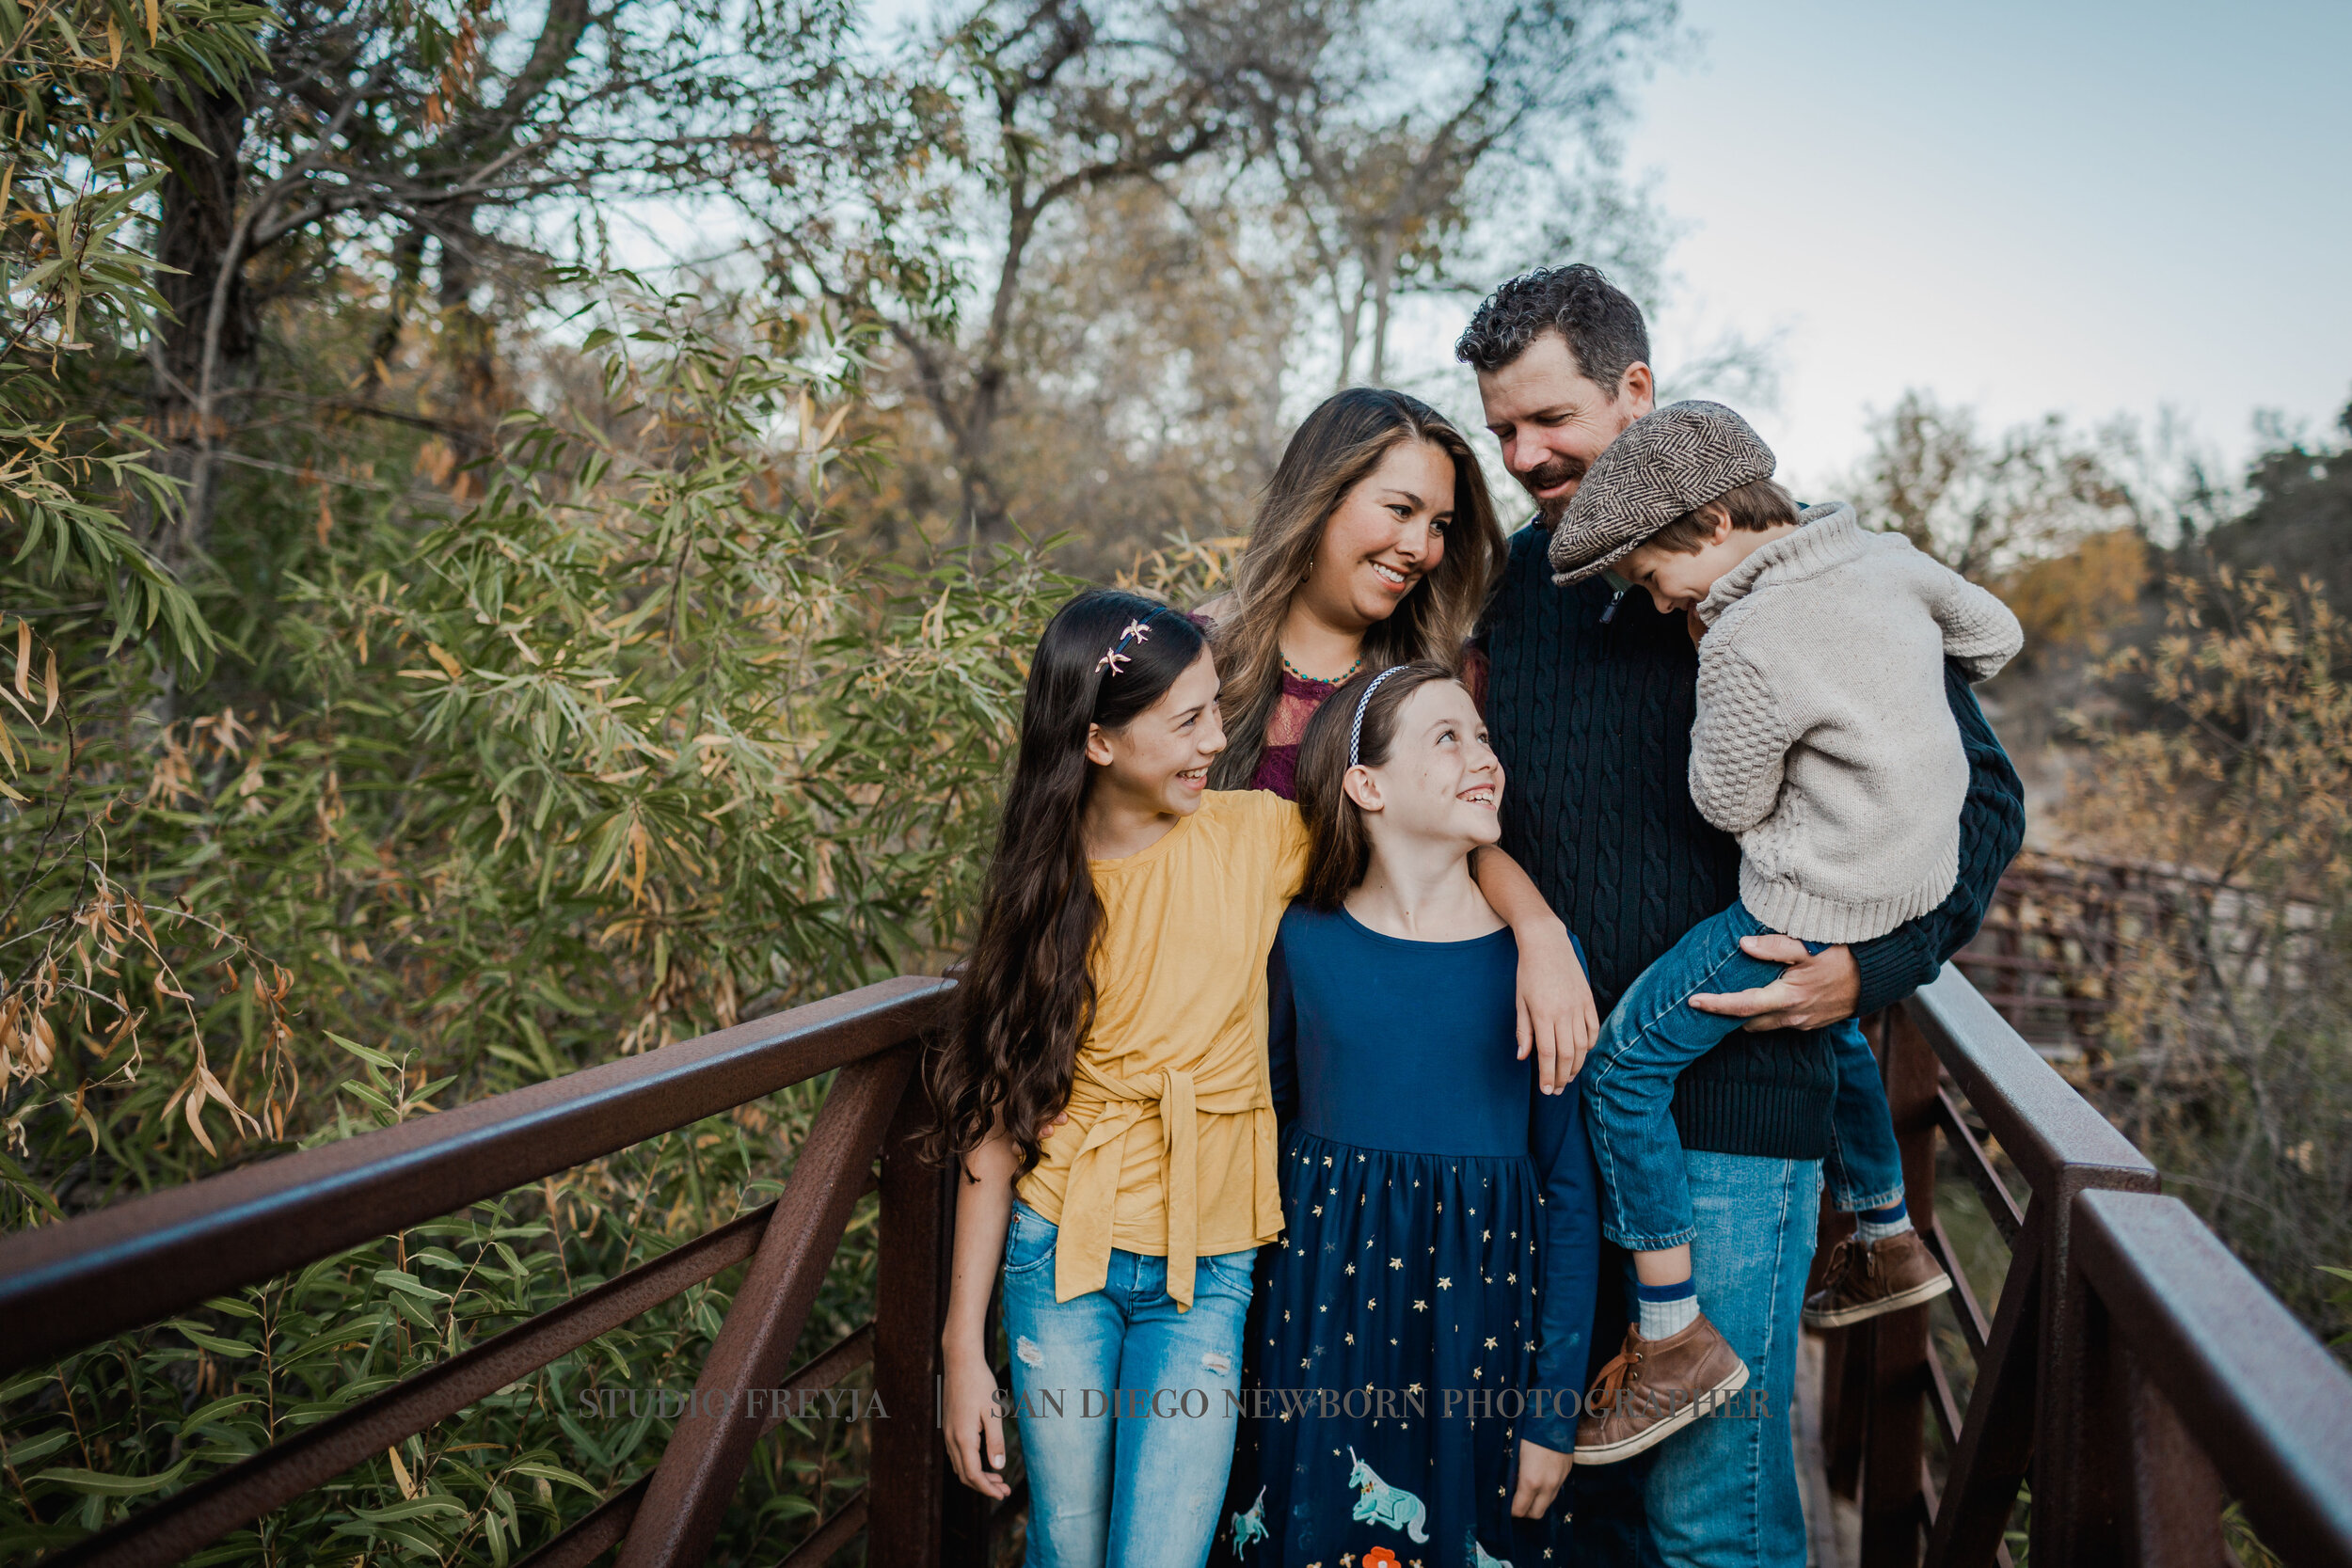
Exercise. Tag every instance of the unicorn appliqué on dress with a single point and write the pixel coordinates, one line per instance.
(1379, 1503)
(1249, 1528)
(1481, 1557)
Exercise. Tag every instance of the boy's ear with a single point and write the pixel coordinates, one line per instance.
(1719, 520)
(1361, 788)
(1098, 746)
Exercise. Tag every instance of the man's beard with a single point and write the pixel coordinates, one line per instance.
(1550, 509)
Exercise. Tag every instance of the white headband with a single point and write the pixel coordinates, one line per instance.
(1356, 731)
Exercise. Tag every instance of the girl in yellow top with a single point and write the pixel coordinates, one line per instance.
(1107, 1094)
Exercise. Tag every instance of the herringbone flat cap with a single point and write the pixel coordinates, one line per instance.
(1665, 463)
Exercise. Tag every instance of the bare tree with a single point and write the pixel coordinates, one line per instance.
(389, 124)
(1054, 102)
(1401, 134)
(1983, 505)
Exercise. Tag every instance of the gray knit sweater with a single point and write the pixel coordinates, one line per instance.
(1823, 739)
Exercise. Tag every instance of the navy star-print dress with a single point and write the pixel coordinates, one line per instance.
(1441, 1237)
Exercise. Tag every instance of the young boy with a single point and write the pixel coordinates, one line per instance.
(1824, 741)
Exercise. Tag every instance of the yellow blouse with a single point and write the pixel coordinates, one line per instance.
(1169, 1148)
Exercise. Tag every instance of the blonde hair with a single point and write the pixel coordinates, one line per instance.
(1335, 450)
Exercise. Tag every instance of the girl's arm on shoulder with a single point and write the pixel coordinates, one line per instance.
(1556, 1016)
(1282, 1045)
(974, 1430)
(1571, 1259)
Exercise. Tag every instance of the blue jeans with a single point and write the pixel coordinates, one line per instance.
(1654, 1034)
(1131, 1471)
(1724, 1492)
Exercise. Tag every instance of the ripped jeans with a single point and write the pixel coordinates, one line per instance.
(1132, 1469)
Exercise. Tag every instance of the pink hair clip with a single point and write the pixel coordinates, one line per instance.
(1113, 659)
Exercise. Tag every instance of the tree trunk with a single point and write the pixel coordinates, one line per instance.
(1382, 280)
(191, 354)
(469, 340)
(1350, 317)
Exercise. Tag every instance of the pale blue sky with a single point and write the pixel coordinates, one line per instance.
(2096, 207)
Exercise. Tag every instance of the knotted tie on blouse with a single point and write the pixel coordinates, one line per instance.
(1109, 1106)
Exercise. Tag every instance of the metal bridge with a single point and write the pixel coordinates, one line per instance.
(2131, 1375)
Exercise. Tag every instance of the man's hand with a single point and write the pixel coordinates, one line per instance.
(1542, 1473)
(1815, 990)
(1556, 1016)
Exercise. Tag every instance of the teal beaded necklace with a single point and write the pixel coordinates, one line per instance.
(1341, 680)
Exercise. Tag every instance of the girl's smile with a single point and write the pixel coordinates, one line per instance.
(1149, 772)
(1441, 777)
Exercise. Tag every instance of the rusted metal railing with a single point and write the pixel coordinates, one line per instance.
(66, 1286)
(2133, 1374)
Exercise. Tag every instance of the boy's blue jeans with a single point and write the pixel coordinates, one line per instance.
(1131, 1472)
(1655, 1033)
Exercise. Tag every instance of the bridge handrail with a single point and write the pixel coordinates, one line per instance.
(2257, 1394)
(2131, 1367)
(2045, 1127)
(66, 1286)
(70, 1285)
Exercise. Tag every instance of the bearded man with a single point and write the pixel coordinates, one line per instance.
(1590, 700)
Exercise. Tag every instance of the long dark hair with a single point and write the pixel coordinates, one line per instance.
(1339, 853)
(1334, 450)
(1027, 997)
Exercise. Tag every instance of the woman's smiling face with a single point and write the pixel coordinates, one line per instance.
(1387, 533)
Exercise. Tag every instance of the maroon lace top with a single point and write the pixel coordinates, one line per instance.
(1278, 765)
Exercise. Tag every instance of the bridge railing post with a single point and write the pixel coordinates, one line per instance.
(2072, 1416)
(1894, 1500)
(920, 1520)
(2144, 1493)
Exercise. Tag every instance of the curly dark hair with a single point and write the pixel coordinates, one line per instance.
(1602, 325)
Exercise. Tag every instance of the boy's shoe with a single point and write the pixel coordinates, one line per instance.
(1654, 1389)
(1864, 1282)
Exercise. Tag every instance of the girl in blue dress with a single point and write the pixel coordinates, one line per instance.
(1421, 1335)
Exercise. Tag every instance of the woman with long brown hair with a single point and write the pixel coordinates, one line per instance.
(1375, 545)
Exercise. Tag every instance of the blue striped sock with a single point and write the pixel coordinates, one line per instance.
(1875, 1225)
(1666, 1310)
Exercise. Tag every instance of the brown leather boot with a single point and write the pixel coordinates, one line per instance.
(1866, 1281)
(1654, 1389)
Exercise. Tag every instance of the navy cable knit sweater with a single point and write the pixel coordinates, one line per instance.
(1593, 724)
